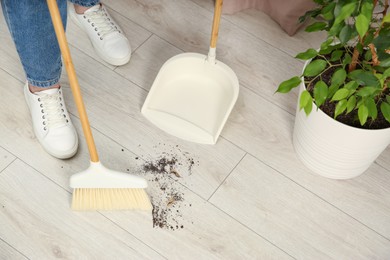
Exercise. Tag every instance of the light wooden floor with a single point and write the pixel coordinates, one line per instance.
(247, 197)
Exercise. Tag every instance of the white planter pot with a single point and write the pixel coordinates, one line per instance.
(335, 150)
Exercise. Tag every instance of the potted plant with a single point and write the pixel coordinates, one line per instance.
(343, 114)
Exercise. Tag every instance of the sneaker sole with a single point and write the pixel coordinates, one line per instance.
(68, 155)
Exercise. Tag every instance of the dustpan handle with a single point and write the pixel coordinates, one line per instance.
(216, 21)
(74, 85)
(215, 29)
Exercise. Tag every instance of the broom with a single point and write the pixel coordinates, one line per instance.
(96, 188)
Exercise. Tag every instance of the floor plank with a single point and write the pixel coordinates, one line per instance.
(102, 86)
(264, 28)
(5, 158)
(252, 127)
(9, 61)
(41, 226)
(258, 65)
(207, 233)
(259, 128)
(383, 159)
(18, 138)
(147, 61)
(9, 253)
(299, 222)
(55, 170)
(198, 233)
(120, 119)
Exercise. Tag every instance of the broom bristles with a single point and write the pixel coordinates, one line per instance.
(110, 199)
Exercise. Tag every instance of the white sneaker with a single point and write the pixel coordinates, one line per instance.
(105, 35)
(51, 122)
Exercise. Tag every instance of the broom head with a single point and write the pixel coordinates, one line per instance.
(99, 188)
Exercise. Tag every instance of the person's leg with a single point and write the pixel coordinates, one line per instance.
(104, 33)
(32, 31)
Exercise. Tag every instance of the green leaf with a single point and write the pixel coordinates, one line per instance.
(369, 37)
(364, 78)
(329, 46)
(347, 60)
(326, 43)
(345, 12)
(311, 13)
(327, 11)
(314, 68)
(363, 114)
(317, 26)
(337, 8)
(385, 63)
(336, 55)
(321, 2)
(340, 107)
(345, 34)
(332, 90)
(308, 108)
(326, 50)
(289, 84)
(320, 92)
(381, 43)
(340, 94)
(336, 29)
(386, 19)
(306, 102)
(381, 79)
(372, 110)
(307, 55)
(352, 85)
(351, 104)
(362, 24)
(386, 74)
(367, 8)
(359, 47)
(368, 56)
(338, 77)
(360, 101)
(305, 98)
(385, 109)
(368, 91)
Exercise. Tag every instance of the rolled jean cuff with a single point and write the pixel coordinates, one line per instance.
(42, 84)
(85, 3)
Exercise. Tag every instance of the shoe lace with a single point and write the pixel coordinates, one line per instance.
(102, 23)
(53, 110)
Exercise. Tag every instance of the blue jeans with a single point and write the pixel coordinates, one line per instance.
(33, 34)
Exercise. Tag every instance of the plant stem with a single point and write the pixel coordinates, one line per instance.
(308, 83)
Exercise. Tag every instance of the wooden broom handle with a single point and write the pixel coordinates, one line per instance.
(216, 20)
(74, 85)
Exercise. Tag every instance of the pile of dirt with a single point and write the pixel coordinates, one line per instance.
(164, 175)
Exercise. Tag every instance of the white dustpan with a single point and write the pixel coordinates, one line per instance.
(193, 94)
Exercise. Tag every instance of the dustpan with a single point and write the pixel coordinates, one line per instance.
(193, 94)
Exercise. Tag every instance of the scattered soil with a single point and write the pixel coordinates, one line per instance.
(164, 175)
(351, 118)
(161, 166)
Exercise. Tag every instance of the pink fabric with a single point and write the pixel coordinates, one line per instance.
(285, 12)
